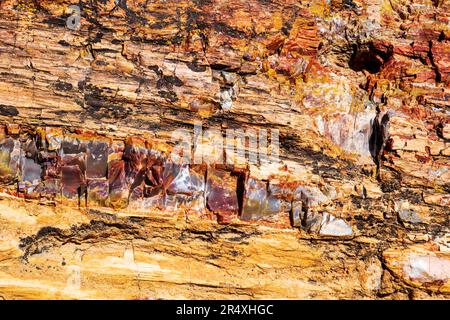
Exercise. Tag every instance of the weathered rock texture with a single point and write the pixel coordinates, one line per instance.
(357, 207)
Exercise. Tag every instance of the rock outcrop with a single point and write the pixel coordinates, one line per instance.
(225, 149)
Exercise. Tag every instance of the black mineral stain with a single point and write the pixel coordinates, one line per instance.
(98, 107)
(57, 21)
(101, 63)
(168, 82)
(81, 85)
(156, 69)
(9, 111)
(195, 66)
(286, 29)
(132, 16)
(104, 50)
(101, 109)
(234, 253)
(390, 185)
(42, 233)
(64, 43)
(98, 37)
(168, 95)
(350, 4)
(200, 3)
(227, 30)
(379, 138)
(62, 86)
(161, 24)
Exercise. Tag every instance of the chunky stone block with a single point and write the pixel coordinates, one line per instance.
(186, 187)
(9, 159)
(296, 214)
(30, 178)
(73, 184)
(264, 201)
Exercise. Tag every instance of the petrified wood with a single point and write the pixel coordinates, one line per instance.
(97, 118)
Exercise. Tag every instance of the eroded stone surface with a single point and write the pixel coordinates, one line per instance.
(332, 226)
(422, 266)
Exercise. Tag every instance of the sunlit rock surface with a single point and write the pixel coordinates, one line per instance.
(421, 265)
(356, 206)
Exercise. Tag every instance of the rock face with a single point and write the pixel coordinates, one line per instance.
(224, 149)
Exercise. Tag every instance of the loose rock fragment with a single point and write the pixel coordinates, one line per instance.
(72, 185)
(97, 159)
(265, 201)
(30, 177)
(188, 187)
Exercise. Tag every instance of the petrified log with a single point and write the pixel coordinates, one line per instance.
(224, 149)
